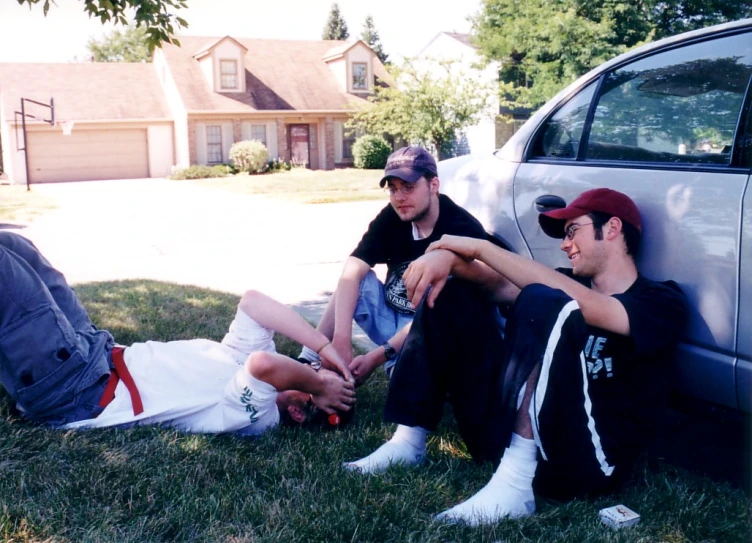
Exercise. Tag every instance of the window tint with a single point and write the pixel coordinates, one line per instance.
(560, 137)
(681, 106)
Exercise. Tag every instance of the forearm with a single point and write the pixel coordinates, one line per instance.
(597, 309)
(377, 357)
(271, 314)
(284, 373)
(346, 298)
(501, 289)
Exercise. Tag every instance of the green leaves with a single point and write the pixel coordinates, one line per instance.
(129, 45)
(429, 104)
(336, 27)
(543, 45)
(156, 17)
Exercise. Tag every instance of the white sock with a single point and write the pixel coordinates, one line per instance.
(407, 446)
(309, 354)
(509, 493)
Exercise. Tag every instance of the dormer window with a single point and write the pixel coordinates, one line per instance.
(228, 70)
(360, 76)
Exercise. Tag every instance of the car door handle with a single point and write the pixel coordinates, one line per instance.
(549, 202)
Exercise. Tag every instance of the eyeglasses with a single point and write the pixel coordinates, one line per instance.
(572, 229)
(404, 189)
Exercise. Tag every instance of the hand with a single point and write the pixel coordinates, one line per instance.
(336, 393)
(362, 367)
(331, 359)
(430, 270)
(466, 248)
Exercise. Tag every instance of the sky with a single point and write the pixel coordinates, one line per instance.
(404, 26)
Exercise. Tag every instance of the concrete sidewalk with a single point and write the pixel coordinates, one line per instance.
(182, 233)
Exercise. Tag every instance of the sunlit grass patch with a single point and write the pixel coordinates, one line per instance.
(306, 186)
(19, 206)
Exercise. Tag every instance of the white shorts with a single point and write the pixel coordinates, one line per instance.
(197, 385)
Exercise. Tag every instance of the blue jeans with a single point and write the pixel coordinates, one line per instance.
(53, 361)
(379, 321)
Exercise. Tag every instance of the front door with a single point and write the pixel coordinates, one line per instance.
(299, 144)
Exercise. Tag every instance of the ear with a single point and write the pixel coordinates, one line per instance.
(613, 228)
(434, 184)
(296, 414)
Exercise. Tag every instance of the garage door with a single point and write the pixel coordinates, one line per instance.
(88, 154)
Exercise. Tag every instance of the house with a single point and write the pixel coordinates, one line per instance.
(123, 126)
(497, 124)
(188, 106)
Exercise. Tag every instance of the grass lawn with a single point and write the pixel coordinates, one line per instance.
(19, 206)
(306, 186)
(153, 484)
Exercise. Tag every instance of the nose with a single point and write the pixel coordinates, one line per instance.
(565, 244)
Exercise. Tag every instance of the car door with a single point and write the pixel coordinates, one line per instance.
(664, 128)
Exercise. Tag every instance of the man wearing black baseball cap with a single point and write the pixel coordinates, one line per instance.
(416, 216)
(567, 399)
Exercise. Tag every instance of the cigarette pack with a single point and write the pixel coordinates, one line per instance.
(619, 516)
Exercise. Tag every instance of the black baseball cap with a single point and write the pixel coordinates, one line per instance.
(409, 164)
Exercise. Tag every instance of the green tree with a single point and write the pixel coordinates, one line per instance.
(427, 106)
(130, 45)
(371, 36)
(336, 27)
(543, 45)
(157, 17)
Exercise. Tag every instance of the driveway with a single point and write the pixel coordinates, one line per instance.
(182, 233)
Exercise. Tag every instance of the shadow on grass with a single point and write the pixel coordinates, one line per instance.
(157, 484)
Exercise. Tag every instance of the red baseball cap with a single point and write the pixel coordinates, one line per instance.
(616, 204)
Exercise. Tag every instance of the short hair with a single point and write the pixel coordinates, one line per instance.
(632, 236)
(315, 417)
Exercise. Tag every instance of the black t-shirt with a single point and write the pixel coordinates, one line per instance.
(628, 376)
(389, 240)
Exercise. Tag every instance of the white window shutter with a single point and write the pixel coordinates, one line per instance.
(245, 131)
(271, 140)
(201, 144)
(337, 142)
(227, 141)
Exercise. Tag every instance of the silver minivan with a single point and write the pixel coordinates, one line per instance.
(670, 124)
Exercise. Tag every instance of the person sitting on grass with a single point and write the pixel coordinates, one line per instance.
(567, 394)
(61, 371)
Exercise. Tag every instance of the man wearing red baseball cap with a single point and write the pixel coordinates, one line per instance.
(566, 399)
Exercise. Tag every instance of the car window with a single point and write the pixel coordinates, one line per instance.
(680, 106)
(560, 138)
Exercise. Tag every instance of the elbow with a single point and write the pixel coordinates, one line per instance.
(261, 366)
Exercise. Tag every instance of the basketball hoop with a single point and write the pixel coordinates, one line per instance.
(67, 127)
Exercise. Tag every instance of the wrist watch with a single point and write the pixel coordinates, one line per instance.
(389, 352)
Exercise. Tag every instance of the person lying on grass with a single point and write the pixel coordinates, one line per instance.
(61, 371)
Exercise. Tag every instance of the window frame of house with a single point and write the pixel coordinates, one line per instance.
(357, 77)
(222, 74)
(213, 147)
(255, 128)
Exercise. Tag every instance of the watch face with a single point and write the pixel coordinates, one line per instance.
(389, 351)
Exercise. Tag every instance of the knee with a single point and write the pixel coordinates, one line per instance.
(12, 241)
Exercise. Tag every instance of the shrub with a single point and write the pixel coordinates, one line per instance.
(249, 156)
(370, 152)
(197, 171)
(278, 165)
